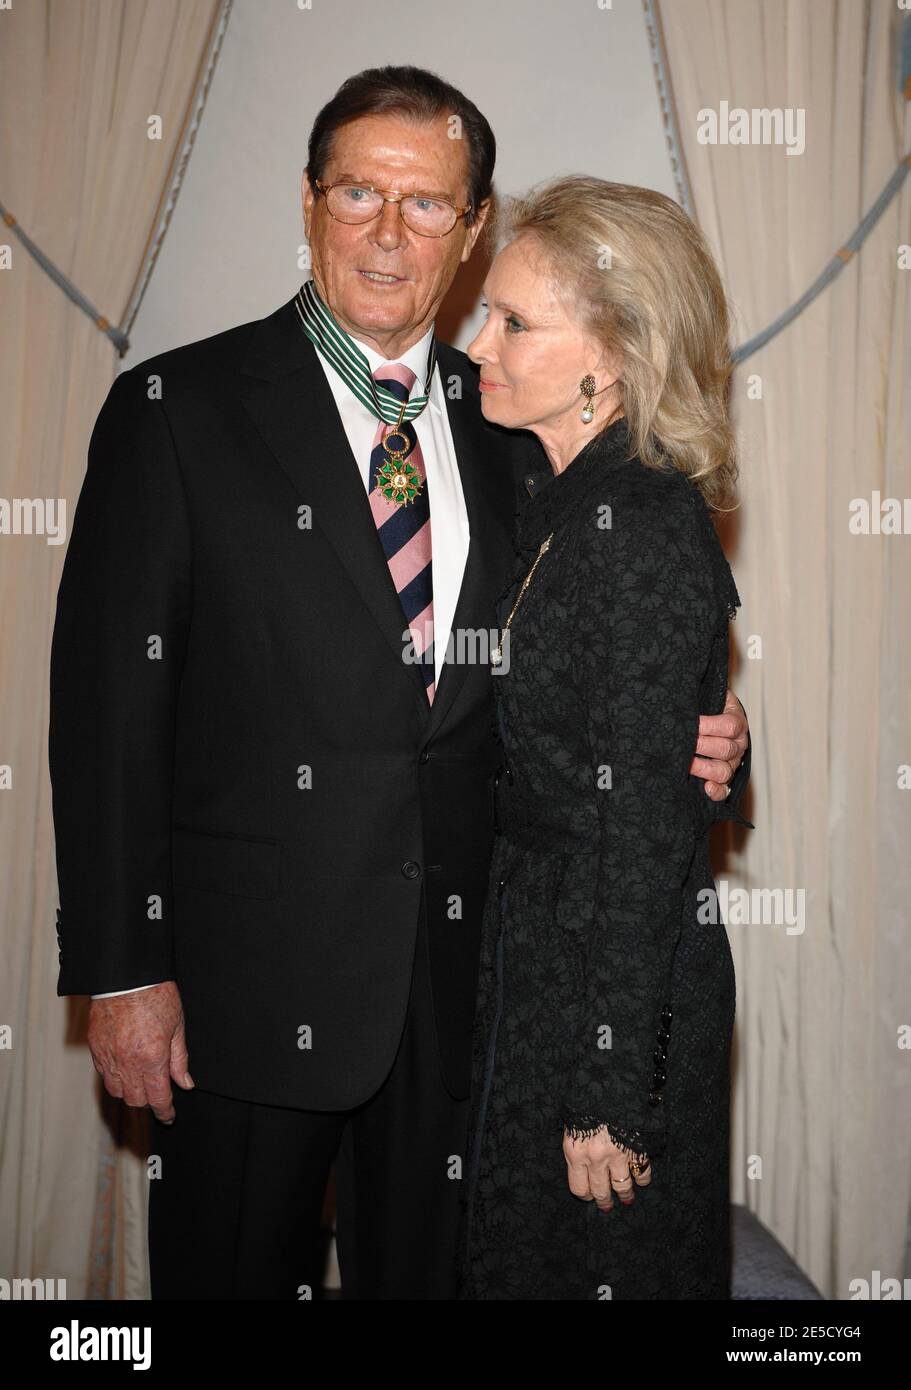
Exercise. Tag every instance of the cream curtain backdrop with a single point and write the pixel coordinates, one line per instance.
(823, 1092)
(78, 81)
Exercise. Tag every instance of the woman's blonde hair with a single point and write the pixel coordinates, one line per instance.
(636, 273)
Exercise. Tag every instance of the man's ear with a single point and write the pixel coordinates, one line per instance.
(308, 197)
(474, 231)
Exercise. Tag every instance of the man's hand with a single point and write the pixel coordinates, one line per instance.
(720, 747)
(138, 1047)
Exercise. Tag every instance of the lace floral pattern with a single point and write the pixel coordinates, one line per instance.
(603, 1001)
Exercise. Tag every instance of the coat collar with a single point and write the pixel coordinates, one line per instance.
(555, 496)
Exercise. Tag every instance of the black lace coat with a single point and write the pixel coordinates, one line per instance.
(603, 998)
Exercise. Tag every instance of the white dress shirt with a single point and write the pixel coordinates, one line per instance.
(448, 515)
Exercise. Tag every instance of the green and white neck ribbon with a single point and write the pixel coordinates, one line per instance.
(339, 348)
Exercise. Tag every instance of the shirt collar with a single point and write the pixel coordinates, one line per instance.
(415, 358)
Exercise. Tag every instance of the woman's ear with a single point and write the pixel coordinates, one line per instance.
(610, 368)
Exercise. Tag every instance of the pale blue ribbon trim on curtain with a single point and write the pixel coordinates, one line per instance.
(209, 64)
(119, 339)
(117, 335)
(678, 167)
(834, 268)
(668, 109)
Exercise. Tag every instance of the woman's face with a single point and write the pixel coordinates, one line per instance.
(531, 353)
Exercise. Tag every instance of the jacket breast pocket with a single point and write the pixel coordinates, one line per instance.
(233, 864)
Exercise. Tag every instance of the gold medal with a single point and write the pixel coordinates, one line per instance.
(397, 479)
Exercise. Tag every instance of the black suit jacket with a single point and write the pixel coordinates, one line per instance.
(251, 793)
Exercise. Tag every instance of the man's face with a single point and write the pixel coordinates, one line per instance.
(398, 156)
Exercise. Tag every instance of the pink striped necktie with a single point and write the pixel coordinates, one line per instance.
(404, 529)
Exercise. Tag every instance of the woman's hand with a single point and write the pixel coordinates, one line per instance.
(598, 1167)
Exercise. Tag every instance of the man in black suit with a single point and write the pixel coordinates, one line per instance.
(273, 794)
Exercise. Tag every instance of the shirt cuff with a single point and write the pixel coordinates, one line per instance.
(114, 992)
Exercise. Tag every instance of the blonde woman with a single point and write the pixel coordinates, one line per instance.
(598, 1148)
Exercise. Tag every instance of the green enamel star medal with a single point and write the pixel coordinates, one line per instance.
(397, 479)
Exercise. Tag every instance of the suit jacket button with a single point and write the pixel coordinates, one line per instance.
(659, 1079)
(655, 1098)
(423, 756)
(410, 869)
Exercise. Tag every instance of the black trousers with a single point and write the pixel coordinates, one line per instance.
(235, 1212)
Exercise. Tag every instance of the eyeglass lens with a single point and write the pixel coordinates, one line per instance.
(351, 203)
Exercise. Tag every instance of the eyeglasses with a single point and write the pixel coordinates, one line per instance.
(360, 202)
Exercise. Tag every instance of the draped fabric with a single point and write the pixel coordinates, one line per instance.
(822, 1101)
(81, 82)
(822, 1150)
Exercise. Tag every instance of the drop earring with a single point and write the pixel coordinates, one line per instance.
(587, 386)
